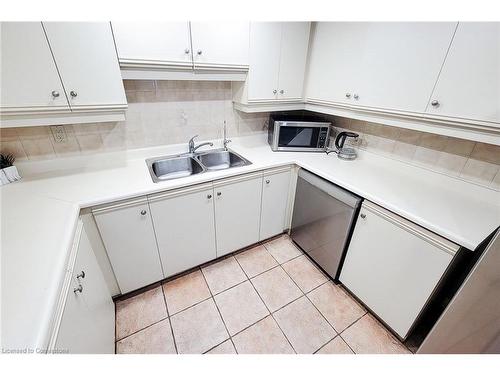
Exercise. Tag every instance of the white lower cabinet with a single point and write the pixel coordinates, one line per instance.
(184, 226)
(127, 232)
(88, 320)
(237, 212)
(275, 193)
(393, 266)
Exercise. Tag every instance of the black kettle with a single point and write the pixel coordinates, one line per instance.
(342, 136)
(346, 153)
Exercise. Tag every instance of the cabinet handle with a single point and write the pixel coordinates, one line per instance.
(143, 212)
(219, 193)
(268, 181)
(79, 289)
(282, 91)
(81, 275)
(363, 216)
(199, 52)
(435, 103)
(275, 91)
(209, 196)
(348, 95)
(73, 94)
(186, 51)
(356, 96)
(55, 94)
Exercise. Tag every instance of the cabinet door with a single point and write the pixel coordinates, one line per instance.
(165, 43)
(334, 62)
(86, 57)
(28, 72)
(186, 239)
(220, 43)
(274, 203)
(88, 321)
(127, 232)
(237, 213)
(400, 63)
(393, 266)
(469, 84)
(265, 42)
(292, 66)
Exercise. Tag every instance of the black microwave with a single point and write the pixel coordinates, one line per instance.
(286, 135)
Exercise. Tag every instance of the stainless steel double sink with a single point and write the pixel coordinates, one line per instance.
(184, 165)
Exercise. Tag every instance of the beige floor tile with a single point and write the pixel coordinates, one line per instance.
(139, 312)
(304, 273)
(282, 249)
(336, 346)
(368, 336)
(276, 288)
(223, 275)
(240, 307)
(264, 337)
(336, 305)
(255, 261)
(156, 339)
(226, 347)
(199, 328)
(304, 326)
(185, 291)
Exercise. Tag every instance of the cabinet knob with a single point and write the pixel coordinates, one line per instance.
(348, 95)
(356, 96)
(81, 275)
(275, 91)
(363, 216)
(268, 182)
(143, 212)
(209, 196)
(219, 193)
(199, 52)
(186, 51)
(282, 91)
(55, 94)
(73, 94)
(79, 289)
(435, 103)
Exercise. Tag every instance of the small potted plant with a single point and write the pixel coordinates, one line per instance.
(9, 172)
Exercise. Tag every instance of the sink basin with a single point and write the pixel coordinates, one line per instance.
(168, 168)
(178, 166)
(221, 159)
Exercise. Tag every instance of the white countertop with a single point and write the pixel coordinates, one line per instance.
(39, 214)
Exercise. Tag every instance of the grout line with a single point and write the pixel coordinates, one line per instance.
(142, 329)
(169, 320)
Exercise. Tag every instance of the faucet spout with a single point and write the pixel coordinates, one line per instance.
(202, 144)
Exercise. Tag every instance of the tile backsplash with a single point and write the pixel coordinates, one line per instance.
(468, 160)
(159, 113)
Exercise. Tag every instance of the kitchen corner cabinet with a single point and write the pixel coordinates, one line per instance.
(391, 66)
(88, 320)
(128, 236)
(187, 238)
(393, 266)
(473, 62)
(59, 73)
(275, 201)
(278, 53)
(237, 212)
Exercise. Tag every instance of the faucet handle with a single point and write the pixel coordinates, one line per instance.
(192, 138)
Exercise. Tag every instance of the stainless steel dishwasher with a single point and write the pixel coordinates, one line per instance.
(323, 219)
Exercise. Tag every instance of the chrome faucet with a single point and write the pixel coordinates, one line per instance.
(192, 147)
(225, 141)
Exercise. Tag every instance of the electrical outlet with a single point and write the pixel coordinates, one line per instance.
(58, 133)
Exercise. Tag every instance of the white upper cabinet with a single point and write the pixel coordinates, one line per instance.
(386, 65)
(86, 57)
(220, 44)
(154, 43)
(469, 84)
(29, 76)
(265, 50)
(293, 57)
